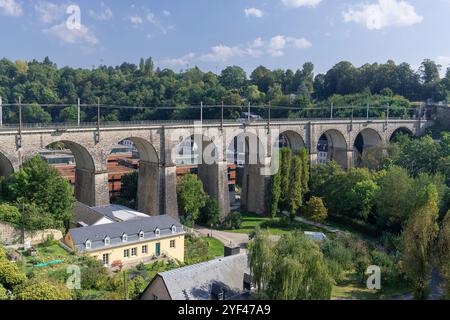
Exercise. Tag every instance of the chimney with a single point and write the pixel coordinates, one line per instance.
(231, 250)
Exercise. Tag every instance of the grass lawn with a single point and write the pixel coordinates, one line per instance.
(275, 226)
(352, 289)
(215, 247)
(46, 254)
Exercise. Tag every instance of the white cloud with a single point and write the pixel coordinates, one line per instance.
(181, 61)
(72, 36)
(167, 13)
(278, 44)
(384, 13)
(11, 8)
(253, 12)
(136, 20)
(222, 53)
(49, 12)
(104, 14)
(301, 3)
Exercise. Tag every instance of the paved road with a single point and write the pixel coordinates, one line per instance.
(240, 239)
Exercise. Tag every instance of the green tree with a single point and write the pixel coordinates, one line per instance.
(3, 294)
(10, 274)
(260, 256)
(285, 171)
(443, 252)
(191, 198)
(129, 188)
(39, 184)
(295, 194)
(70, 114)
(394, 200)
(41, 289)
(233, 77)
(10, 214)
(275, 191)
(418, 237)
(315, 210)
(299, 271)
(35, 114)
(210, 213)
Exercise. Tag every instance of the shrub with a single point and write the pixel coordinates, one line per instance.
(315, 210)
(10, 275)
(38, 289)
(3, 294)
(233, 221)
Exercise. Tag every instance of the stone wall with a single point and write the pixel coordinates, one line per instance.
(10, 235)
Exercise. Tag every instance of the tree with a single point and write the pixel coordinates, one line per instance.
(315, 210)
(394, 200)
(129, 188)
(35, 114)
(36, 183)
(275, 193)
(3, 294)
(295, 193)
(260, 256)
(443, 252)
(70, 114)
(10, 274)
(285, 171)
(10, 214)
(191, 198)
(233, 77)
(417, 240)
(41, 289)
(299, 271)
(210, 213)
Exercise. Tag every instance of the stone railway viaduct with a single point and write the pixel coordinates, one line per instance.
(156, 142)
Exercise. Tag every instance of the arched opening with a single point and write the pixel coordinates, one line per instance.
(399, 132)
(6, 168)
(332, 147)
(198, 154)
(245, 155)
(134, 175)
(368, 149)
(292, 140)
(75, 163)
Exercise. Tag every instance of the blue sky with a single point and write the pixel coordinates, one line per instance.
(215, 33)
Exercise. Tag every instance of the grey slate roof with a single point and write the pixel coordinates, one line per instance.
(195, 282)
(132, 228)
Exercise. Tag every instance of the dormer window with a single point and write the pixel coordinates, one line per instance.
(107, 241)
(174, 229)
(141, 235)
(157, 232)
(124, 237)
(88, 244)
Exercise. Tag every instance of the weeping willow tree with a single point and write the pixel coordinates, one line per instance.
(417, 240)
(260, 256)
(444, 252)
(291, 269)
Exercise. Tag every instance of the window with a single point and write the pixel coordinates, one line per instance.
(141, 235)
(88, 244)
(107, 241)
(157, 232)
(144, 249)
(106, 259)
(172, 243)
(174, 229)
(134, 252)
(126, 253)
(124, 238)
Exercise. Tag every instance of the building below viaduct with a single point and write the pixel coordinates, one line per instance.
(156, 142)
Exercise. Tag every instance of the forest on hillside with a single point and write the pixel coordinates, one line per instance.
(165, 94)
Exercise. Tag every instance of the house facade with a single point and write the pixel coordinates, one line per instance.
(130, 242)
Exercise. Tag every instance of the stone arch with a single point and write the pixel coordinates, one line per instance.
(293, 140)
(247, 151)
(88, 186)
(149, 175)
(368, 148)
(332, 145)
(401, 130)
(6, 167)
(203, 154)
